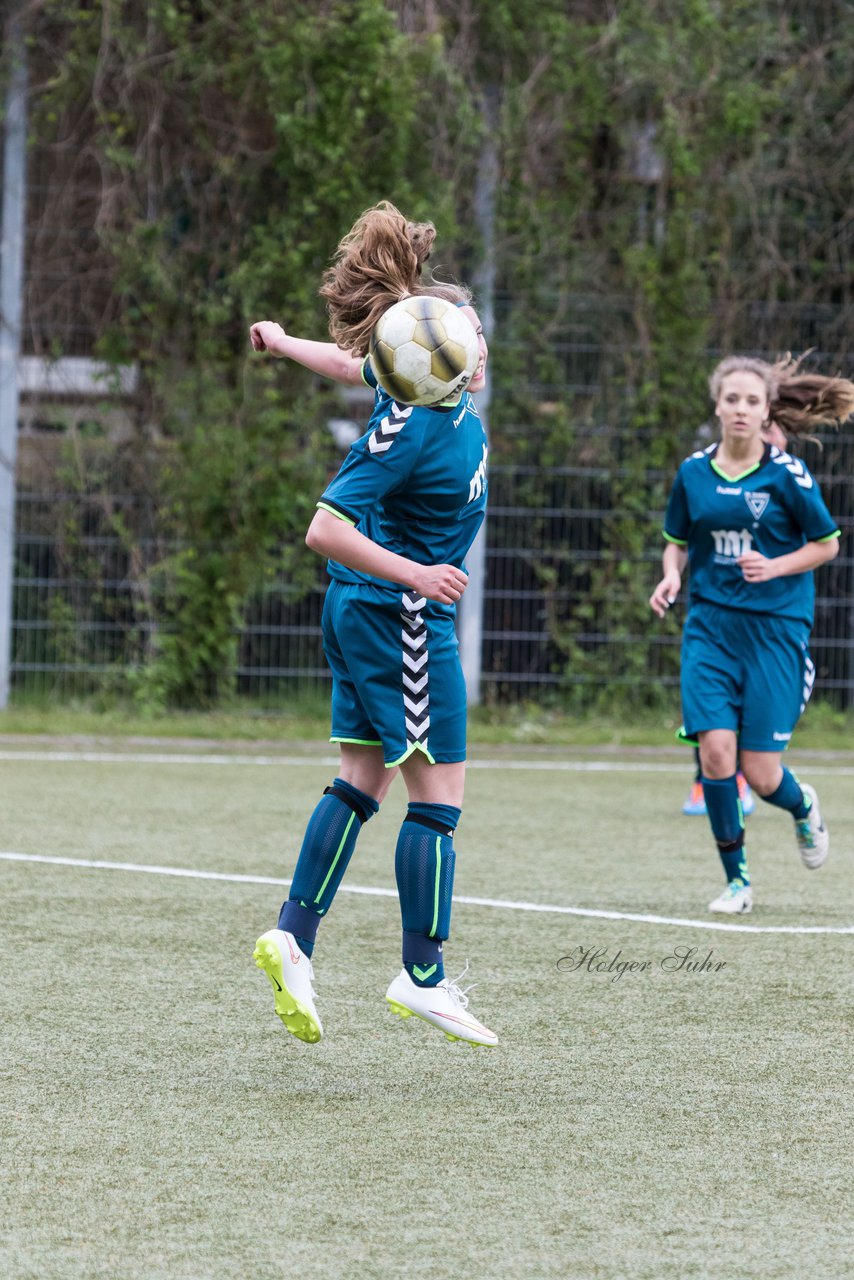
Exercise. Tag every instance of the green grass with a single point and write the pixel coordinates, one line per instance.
(157, 1121)
(307, 717)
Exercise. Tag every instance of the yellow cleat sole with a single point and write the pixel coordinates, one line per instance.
(297, 1019)
(402, 1012)
(400, 1009)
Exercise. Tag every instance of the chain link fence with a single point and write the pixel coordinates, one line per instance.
(565, 618)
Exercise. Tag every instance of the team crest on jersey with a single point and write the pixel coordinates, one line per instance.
(757, 503)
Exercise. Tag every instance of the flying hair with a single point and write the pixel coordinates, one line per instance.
(798, 402)
(378, 262)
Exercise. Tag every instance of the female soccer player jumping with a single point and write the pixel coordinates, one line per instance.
(396, 524)
(749, 520)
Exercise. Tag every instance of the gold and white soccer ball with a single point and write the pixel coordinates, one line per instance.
(424, 351)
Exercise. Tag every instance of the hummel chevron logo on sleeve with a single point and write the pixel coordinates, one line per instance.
(795, 467)
(384, 436)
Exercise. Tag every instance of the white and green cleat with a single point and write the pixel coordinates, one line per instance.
(736, 899)
(811, 833)
(444, 1006)
(290, 974)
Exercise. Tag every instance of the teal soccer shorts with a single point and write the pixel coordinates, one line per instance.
(396, 675)
(750, 672)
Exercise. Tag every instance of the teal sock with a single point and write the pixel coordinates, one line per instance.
(327, 847)
(424, 868)
(727, 822)
(790, 796)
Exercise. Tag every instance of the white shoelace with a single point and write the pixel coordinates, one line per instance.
(457, 994)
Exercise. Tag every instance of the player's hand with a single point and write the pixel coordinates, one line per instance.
(264, 335)
(444, 583)
(665, 593)
(756, 568)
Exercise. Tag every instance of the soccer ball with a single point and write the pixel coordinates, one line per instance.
(424, 351)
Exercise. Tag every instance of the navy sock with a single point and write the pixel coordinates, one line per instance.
(327, 848)
(424, 868)
(789, 796)
(727, 821)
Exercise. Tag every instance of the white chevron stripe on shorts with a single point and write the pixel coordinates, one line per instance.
(809, 681)
(415, 673)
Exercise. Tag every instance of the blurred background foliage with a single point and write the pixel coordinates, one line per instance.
(635, 187)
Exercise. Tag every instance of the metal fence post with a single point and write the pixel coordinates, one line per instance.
(470, 611)
(11, 276)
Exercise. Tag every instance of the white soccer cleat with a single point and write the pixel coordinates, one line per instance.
(445, 1006)
(736, 899)
(290, 974)
(811, 833)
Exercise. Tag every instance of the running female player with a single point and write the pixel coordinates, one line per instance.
(750, 521)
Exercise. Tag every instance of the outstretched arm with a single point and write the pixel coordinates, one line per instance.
(321, 357)
(338, 540)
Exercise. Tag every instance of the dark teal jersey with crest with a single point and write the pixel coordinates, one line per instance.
(415, 482)
(774, 508)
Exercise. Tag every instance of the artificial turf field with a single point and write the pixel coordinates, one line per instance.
(157, 1120)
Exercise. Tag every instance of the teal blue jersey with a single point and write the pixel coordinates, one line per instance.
(415, 483)
(773, 508)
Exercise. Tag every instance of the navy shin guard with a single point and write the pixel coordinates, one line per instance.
(727, 821)
(424, 868)
(327, 848)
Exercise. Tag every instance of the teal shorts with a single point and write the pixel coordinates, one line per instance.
(749, 672)
(397, 681)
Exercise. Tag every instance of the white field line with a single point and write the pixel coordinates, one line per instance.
(332, 761)
(499, 903)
